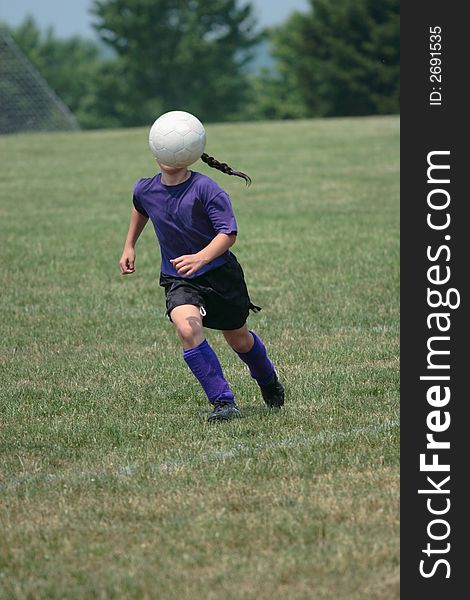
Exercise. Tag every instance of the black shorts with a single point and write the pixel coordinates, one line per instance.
(220, 293)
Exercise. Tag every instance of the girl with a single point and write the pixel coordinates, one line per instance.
(204, 284)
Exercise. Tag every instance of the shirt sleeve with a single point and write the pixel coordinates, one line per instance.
(137, 203)
(220, 212)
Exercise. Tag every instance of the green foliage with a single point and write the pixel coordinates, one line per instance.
(342, 57)
(274, 97)
(188, 55)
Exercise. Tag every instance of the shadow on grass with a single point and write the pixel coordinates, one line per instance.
(249, 411)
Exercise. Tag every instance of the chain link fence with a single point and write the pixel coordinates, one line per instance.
(27, 102)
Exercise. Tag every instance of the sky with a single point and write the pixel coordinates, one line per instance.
(69, 17)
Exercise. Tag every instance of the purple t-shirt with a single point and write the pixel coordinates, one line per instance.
(186, 217)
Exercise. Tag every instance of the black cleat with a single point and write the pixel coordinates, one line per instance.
(273, 392)
(224, 411)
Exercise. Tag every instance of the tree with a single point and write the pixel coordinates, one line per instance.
(342, 57)
(180, 54)
(273, 96)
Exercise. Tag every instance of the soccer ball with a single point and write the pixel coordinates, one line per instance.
(177, 139)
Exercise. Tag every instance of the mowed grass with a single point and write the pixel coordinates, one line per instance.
(112, 483)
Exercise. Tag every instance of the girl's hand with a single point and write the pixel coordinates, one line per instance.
(126, 264)
(188, 264)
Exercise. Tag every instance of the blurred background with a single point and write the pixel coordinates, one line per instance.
(92, 64)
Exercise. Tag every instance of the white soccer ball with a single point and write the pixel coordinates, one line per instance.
(177, 139)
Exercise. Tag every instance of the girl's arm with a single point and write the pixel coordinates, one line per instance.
(136, 226)
(188, 264)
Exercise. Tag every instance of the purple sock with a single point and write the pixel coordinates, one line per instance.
(205, 366)
(261, 368)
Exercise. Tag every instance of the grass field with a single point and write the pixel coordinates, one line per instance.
(112, 483)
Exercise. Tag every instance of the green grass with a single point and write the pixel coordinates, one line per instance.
(112, 483)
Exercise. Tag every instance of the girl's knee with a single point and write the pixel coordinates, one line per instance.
(190, 332)
(188, 323)
(187, 335)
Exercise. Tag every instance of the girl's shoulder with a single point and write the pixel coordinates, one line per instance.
(146, 183)
(206, 186)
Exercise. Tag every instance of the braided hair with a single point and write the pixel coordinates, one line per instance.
(215, 164)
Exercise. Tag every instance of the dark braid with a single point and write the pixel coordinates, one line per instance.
(215, 164)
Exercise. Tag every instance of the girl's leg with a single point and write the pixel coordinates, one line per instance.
(199, 356)
(252, 352)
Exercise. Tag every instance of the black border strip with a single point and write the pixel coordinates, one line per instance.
(429, 128)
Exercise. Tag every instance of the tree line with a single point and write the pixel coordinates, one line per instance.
(341, 58)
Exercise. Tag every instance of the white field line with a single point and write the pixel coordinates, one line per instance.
(130, 470)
